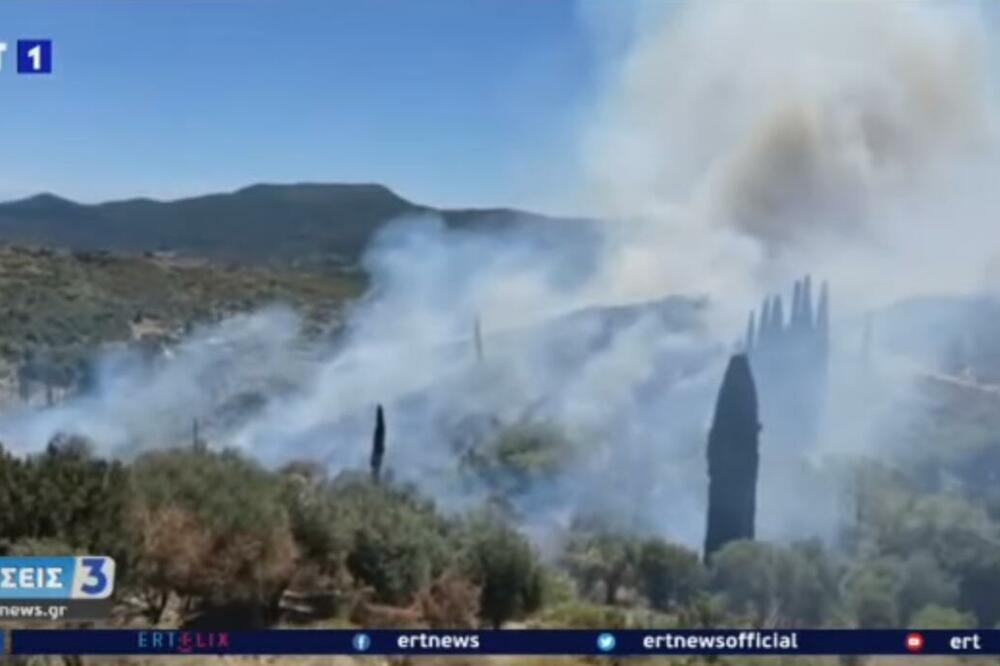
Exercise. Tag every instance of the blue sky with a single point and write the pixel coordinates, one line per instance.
(453, 102)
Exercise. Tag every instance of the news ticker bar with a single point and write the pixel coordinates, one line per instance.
(503, 642)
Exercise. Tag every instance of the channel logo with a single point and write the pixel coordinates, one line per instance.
(914, 641)
(184, 642)
(86, 577)
(33, 56)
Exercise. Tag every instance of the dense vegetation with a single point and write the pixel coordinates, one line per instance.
(58, 307)
(210, 536)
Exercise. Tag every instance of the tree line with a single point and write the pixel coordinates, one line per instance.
(210, 536)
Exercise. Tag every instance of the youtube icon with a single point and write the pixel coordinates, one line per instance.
(915, 642)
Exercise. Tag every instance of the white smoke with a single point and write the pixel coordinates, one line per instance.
(856, 138)
(137, 403)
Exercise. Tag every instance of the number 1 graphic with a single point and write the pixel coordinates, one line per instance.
(35, 53)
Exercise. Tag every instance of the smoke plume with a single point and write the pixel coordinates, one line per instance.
(855, 138)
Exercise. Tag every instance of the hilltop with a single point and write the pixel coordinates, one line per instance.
(305, 223)
(74, 276)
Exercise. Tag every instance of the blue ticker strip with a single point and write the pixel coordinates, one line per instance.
(51, 578)
(513, 642)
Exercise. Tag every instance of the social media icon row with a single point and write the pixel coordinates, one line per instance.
(34, 56)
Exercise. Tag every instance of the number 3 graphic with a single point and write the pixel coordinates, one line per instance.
(97, 580)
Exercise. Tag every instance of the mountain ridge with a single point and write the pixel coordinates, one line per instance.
(297, 222)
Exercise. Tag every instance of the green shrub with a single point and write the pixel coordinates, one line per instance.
(668, 575)
(394, 540)
(504, 565)
(229, 511)
(941, 617)
(68, 495)
(519, 458)
(583, 615)
(776, 585)
(601, 556)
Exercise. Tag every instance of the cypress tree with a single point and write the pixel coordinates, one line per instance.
(807, 306)
(763, 336)
(733, 458)
(777, 316)
(477, 334)
(796, 316)
(378, 444)
(197, 443)
(750, 332)
(823, 320)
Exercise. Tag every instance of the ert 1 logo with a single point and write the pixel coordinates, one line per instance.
(34, 56)
(84, 577)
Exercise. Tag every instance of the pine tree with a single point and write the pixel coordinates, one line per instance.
(733, 458)
(378, 444)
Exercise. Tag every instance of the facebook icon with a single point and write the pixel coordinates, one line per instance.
(34, 56)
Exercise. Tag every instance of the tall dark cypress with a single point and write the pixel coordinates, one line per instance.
(196, 441)
(378, 444)
(733, 459)
(796, 317)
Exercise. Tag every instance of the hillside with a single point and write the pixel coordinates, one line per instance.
(304, 223)
(57, 307)
(76, 276)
